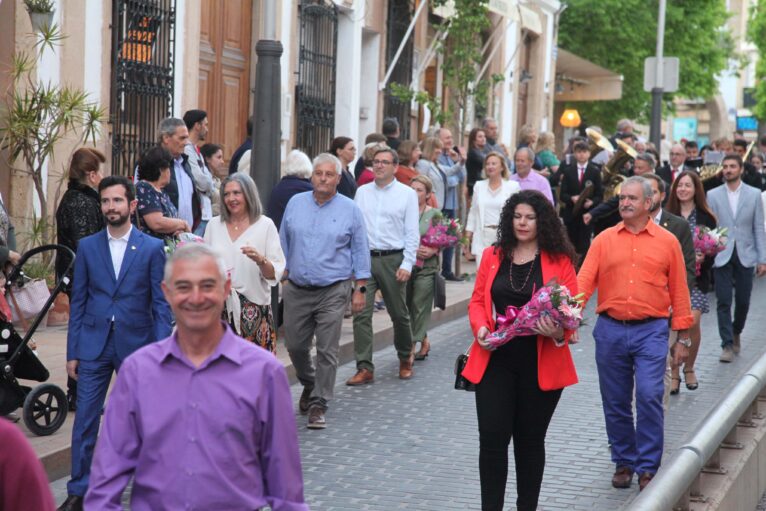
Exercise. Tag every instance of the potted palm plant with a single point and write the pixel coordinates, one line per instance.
(40, 13)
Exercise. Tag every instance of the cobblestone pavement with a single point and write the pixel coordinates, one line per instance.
(414, 444)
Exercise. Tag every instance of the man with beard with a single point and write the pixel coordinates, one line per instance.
(117, 307)
(739, 209)
(639, 271)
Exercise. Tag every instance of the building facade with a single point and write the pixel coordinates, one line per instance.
(143, 60)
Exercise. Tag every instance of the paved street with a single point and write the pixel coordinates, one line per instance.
(413, 445)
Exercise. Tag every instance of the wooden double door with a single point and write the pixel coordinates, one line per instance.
(224, 70)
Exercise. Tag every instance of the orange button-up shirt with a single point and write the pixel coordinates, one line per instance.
(638, 276)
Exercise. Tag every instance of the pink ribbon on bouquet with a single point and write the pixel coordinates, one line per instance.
(510, 315)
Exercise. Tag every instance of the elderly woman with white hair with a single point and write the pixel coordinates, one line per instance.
(297, 178)
(249, 243)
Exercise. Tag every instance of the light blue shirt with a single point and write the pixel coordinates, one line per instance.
(392, 218)
(185, 191)
(326, 243)
(456, 174)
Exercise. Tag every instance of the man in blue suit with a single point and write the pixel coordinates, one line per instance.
(739, 208)
(117, 307)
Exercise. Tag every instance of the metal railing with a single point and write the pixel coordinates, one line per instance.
(677, 483)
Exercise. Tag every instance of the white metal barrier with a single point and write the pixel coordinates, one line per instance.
(677, 483)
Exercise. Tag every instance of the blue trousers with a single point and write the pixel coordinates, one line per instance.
(732, 277)
(93, 381)
(624, 354)
(448, 254)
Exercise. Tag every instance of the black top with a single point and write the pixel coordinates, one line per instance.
(474, 164)
(78, 215)
(504, 295)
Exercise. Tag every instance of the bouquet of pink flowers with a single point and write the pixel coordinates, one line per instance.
(552, 300)
(171, 244)
(709, 242)
(442, 233)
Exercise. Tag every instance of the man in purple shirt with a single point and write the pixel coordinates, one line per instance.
(527, 178)
(202, 419)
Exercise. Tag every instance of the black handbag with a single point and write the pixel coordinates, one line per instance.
(461, 383)
(440, 291)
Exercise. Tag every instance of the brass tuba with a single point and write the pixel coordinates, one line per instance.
(611, 178)
(597, 142)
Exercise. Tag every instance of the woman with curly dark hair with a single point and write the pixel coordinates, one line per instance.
(520, 383)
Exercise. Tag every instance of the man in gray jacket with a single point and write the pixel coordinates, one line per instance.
(739, 209)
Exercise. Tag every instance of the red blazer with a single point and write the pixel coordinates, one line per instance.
(555, 368)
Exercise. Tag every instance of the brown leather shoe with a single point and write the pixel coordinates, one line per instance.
(622, 477)
(316, 418)
(303, 402)
(644, 480)
(736, 346)
(405, 367)
(361, 377)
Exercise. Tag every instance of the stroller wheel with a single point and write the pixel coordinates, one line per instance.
(45, 409)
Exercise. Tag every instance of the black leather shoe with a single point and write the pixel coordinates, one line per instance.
(72, 503)
(453, 278)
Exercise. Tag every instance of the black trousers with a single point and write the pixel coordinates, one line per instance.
(510, 405)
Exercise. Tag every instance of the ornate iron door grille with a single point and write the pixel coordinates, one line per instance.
(315, 88)
(143, 49)
(399, 17)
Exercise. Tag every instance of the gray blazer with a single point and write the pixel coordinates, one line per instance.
(437, 177)
(746, 229)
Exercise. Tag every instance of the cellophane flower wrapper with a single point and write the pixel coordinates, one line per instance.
(442, 233)
(553, 300)
(182, 239)
(709, 242)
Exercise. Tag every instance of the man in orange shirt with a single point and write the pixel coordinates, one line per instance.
(639, 271)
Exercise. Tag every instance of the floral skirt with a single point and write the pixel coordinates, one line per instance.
(699, 301)
(256, 324)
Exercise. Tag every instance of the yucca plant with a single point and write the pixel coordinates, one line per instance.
(41, 6)
(37, 116)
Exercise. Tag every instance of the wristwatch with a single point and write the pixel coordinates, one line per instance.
(685, 342)
(362, 289)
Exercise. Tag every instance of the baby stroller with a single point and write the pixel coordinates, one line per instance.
(45, 406)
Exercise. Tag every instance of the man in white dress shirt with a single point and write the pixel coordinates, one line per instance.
(390, 211)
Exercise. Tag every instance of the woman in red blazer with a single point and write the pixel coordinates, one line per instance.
(520, 383)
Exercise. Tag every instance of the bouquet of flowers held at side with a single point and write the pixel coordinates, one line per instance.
(182, 239)
(553, 300)
(709, 242)
(442, 233)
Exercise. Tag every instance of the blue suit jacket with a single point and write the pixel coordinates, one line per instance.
(746, 229)
(134, 299)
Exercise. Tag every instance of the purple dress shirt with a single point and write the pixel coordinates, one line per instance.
(220, 436)
(534, 181)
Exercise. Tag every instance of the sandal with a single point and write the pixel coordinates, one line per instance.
(675, 388)
(691, 385)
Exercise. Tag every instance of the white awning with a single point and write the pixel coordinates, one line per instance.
(578, 79)
(506, 8)
(530, 20)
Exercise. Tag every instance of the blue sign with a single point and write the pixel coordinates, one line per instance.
(685, 128)
(749, 123)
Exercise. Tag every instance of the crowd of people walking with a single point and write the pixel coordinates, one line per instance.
(344, 236)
